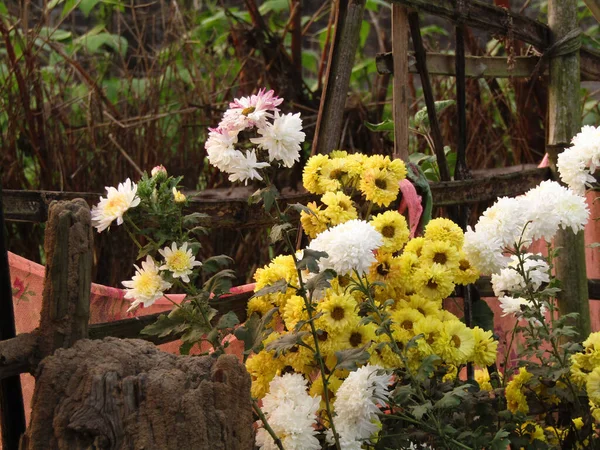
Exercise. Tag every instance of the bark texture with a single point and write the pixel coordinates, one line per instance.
(126, 394)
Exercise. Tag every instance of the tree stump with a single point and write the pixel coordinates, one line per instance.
(126, 394)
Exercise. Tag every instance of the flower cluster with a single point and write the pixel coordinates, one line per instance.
(585, 371)
(279, 136)
(512, 222)
(362, 270)
(578, 163)
(291, 413)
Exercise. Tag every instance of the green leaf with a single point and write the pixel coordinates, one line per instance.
(386, 125)
(483, 316)
(55, 35)
(221, 282)
(70, 5)
(229, 320)
(163, 326)
(274, 6)
(54, 3)
(320, 283)
(278, 230)
(420, 410)
(427, 367)
(86, 6)
(3, 9)
(279, 286)
(251, 333)
(422, 118)
(309, 260)
(402, 394)
(352, 358)
(500, 441)
(194, 219)
(269, 196)
(287, 341)
(185, 347)
(451, 399)
(94, 43)
(216, 263)
(195, 333)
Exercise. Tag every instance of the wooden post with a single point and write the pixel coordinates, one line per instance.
(339, 68)
(400, 96)
(67, 284)
(563, 123)
(12, 412)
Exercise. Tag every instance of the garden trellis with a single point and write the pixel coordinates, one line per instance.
(33, 206)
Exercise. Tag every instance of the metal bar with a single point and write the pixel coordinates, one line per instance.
(12, 411)
(415, 31)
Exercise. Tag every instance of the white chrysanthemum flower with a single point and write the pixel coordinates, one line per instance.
(246, 168)
(291, 413)
(514, 306)
(282, 138)
(504, 220)
(179, 261)
(220, 148)
(356, 411)
(549, 206)
(116, 203)
(251, 111)
(484, 251)
(349, 247)
(510, 280)
(146, 286)
(577, 163)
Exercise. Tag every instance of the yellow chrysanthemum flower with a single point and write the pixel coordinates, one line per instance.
(415, 245)
(442, 229)
(593, 385)
(482, 376)
(299, 358)
(339, 208)
(339, 313)
(386, 269)
(312, 174)
(263, 367)
(460, 343)
(294, 311)
(592, 348)
(329, 343)
(281, 267)
(259, 305)
(394, 229)
(314, 222)
(439, 252)
(581, 367)
(425, 306)
(384, 356)
(409, 263)
(434, 336)
(486, 348)
(334, 175)
(451, 373)
(359, 335)
(466, 273)
(433, 282)
(403, 323)
(533, 430)
(379, 186)
(515, 398)
(338, 154)
(355, 164)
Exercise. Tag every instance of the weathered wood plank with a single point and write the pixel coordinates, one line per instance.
(32, 206)
(489, 66)
(18, 355)
(400, 103)
(339, 69)
(487, 17)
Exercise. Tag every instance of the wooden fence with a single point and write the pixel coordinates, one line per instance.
(468, 188)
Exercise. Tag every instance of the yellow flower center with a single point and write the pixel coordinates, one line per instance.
(456, 340)
(464, 265)
(178, 261)
(355, 339)
(388, 231)
(115, 205)
(440, 258)
(248, 110)
(337, 313)
(407, 325)
(380, 183)
(147, 283)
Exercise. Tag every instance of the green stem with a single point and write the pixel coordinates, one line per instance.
(263, 418)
